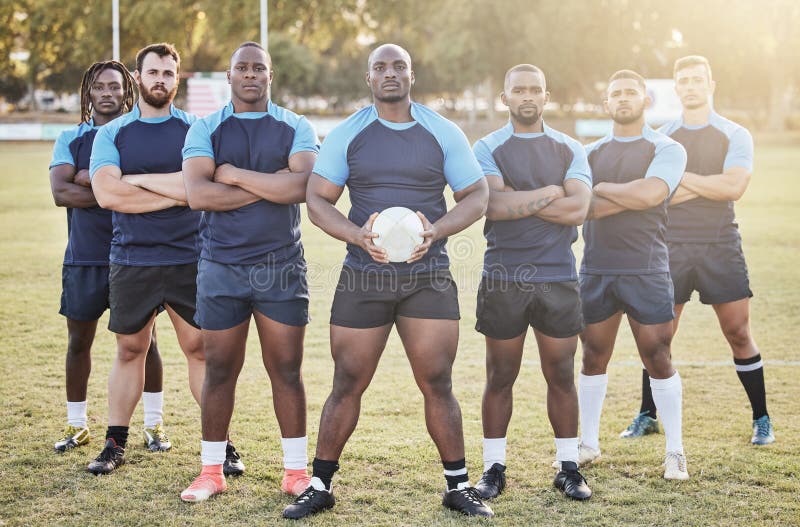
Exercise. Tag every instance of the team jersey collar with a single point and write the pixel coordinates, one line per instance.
(397, 126)
(711, 117)
(136, 114)
(527, 135)
(230, 110)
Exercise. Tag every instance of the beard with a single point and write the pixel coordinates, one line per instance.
(394, 97)
(157, 98)
(632, 117)
(527, 120)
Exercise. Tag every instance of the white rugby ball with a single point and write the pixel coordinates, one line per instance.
(398, 230)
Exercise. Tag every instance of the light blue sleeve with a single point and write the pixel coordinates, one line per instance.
(305, 138)
(332, 161)
(668, 164)
(740, 150)
(104, 151)
(461, 168)
(61, 153)
(198, 141)
(485, 159)
(579, 168)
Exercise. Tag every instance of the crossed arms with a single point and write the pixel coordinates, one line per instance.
(225, 187)
(565, 205)
(728, 186)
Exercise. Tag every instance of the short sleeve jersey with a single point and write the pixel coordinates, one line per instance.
(138, 145)
(711, 149)
(632, 241)
(88, 229)
(258, 141)
(387, 164)
(531, 249)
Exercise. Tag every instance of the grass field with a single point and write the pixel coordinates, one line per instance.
(390, 472)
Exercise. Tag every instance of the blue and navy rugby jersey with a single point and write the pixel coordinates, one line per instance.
(531, 249)
(632, 242)
(387, 164)
(711, 149)
(139, 145)
(258, 141)
(88, 229)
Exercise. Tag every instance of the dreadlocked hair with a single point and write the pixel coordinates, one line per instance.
(90, 75)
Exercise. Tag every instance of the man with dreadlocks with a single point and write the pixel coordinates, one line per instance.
(106, 93)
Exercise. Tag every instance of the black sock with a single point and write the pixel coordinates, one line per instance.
(751, 374)
(119, 434)
(569, 465)
(324, 470)
(457, 473)
(648, 405)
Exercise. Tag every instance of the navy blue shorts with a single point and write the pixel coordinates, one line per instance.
(505, 309)
(645, 298)
(84, 293)
(716, 270)
(365, 299)
(227, 294)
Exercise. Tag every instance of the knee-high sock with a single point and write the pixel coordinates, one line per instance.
(668, 396)
(591, 394)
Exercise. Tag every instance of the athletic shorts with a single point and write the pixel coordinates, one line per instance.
(506, 309)
(645, 298)
(372, 299)
(84, 293)
(138, 292)
(716, 270)
(227, 294)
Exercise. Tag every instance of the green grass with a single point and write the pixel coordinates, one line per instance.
(390, 471)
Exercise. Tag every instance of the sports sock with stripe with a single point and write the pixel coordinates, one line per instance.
(668, 395)
(591, 394)
(751, 375)
(323, 470)
(455, 472)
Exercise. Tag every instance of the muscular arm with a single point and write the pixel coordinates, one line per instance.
(682, 195)
(115, 194)
(640, 194)
(572, 208)
(169, 185)
(506, 203)
(471, 204)
(728, 186)
(203, 193)
(67, 192)
(286, 187)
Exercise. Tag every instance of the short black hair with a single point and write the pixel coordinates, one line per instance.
(691, 60)
(522, 67)
(251, 44)
(162, 49)
(628, 74)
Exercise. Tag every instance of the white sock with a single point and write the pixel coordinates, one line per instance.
(76, 414)
(567, 449)
(153, 404)
(213, 452)
(591, 394)
(295, 452)
(494, 451)
(319, 485)
(668, 396)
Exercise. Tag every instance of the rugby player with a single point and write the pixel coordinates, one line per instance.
(247, 167)
(106, 92)
(394, 152)
(625, 267)
(540, 189)
(135, 170)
